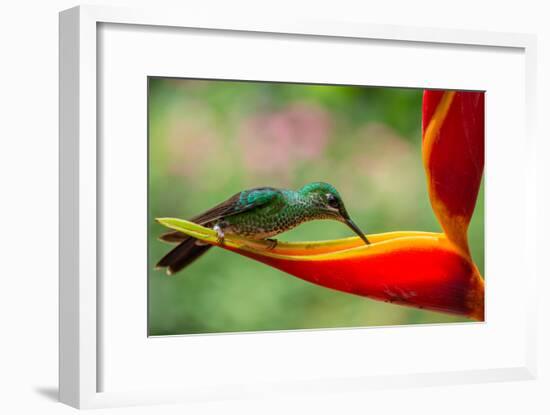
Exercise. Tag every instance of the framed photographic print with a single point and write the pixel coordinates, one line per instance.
(351, 161)
(277, 206)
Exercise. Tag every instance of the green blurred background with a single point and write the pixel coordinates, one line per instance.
(211, 139)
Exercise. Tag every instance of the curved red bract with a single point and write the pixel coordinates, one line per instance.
(419, 272)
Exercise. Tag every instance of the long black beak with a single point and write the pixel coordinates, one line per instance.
(356, 229)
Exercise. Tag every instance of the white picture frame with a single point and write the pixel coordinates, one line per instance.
(81, 164)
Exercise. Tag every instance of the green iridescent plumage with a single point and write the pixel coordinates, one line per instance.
(259, 213)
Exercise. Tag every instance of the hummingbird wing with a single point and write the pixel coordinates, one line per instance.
(239, 203)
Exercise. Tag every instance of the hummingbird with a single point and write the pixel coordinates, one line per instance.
(259, 213)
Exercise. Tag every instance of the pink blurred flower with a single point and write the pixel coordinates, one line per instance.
(275, 142)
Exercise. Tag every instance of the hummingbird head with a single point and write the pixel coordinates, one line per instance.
(329, 204)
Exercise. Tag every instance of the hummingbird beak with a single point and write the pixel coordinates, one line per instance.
(356, 229)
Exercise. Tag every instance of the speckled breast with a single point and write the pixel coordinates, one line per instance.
(263, 223)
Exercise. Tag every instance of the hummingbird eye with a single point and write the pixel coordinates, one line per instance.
(332, 201)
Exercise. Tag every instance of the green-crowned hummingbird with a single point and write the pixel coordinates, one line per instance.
(258, 213)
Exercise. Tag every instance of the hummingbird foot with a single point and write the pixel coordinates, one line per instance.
(219, 231)
(272, 243)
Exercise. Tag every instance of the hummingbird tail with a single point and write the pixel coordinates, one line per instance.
(173, 237)
(182, 255)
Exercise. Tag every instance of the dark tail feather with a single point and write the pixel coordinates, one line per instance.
(182, 255)
(173, 237)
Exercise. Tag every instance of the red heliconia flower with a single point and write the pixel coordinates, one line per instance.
(453, 130)
(427, 270)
